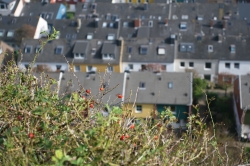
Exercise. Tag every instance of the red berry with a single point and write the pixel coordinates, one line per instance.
(132, 126)
(119, 96)
(127, 136)
(101, 89)
(84, 97)
(19, 117)
(91, 105)
(159, 125)
(31, 135)
(122, 137)
(88, 91)
(156, 137)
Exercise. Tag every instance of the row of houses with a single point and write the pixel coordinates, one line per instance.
(145, 94)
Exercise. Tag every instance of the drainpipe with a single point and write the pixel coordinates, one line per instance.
(124, 86)
(59, 82)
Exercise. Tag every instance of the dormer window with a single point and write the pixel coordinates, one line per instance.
(108, 56)
(183, 26)
(38, 48)
(28, 49)
(111, 37)
(210, 48)
(10, 33)
(104, 24)
(232, 49)
(79, 55)
(59, 50)
(89, 36)
(144, 50)
(161, 51)
(150, 23)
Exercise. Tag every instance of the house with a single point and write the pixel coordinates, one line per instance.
(152, 93)
(97, 55)
(241, 105)
(50, 58)
(49, 12)
(6, 53)
(148, 54)
(9, 26)
(7, 6)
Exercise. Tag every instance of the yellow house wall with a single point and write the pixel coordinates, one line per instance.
(147, 110)
(99, 67)
(142, 1)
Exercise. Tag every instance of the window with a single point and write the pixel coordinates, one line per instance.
(107, 56)
(84, 6)
(210, 48)
(191, 64)
(143, 50)
(38, 48)
(150, 23)
(183, 26)
(207, 77)
(42, 15)
(170, 85)
(49, 15)
(161, 51)
(89, 68)
(77, 68)
(90, 36)
(208, 65)
(79, 55)
(111, 25)
(172, 109)
(104, 24)
(184, 17)
(125, 24)
(182, 64)
(111, 37)
(131, 67)
(28, 49)
(232, 49)
(10, 34)
(129, 49)
(59, 50)
(110, 68)
(236, 65)
(227, 65)
(138, 109)
(2, 33)
(58, 67)
(142, 85)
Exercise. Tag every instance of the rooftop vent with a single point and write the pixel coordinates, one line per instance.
(210, 48)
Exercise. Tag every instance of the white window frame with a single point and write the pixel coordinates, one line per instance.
(58, 48)
(10, 33)
(108, 57)
(110, 69)
(2, 32)
(26, 49)
(226, 63)
(75, 68)
(138, 109)
(235, 64)
(142, 85)
(161, 51)
(183, 65)
(89, 68)
(190, 65)
(206, 67)
(37, 49)
(79, 56)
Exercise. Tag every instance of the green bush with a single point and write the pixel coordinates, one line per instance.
(70, 15)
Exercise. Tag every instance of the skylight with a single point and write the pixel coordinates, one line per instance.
(111, 37)
(143, 50)
(59, 50)
(10, 34)
(90, 36)
(161, 51)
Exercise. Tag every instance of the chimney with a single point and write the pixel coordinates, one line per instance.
(211, 24)
(166, 22)
(137, 23)
(96, 23)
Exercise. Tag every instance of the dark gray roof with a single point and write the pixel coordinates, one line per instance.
(244, 11)
(81, 47)
(37, 8)
(245, 91)
(132, 50)
(157, 89)
(10, 23)
(48, 53)
(95, 57)
(108, 48)
(112, 81)
(124, 10)
(220, 51)
(143, 32)
(67, 29)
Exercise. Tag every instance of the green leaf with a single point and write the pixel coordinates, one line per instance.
(59, 154)
(54, 159)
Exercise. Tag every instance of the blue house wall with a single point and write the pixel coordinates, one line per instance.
(61, 12)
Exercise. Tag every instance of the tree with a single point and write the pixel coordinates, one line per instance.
(26, 31)
(198, 86)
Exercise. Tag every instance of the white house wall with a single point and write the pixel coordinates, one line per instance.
(52, 66)
(199, 67)
(137, 66)
(42, 25)
(19, 8)
(243, 70)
